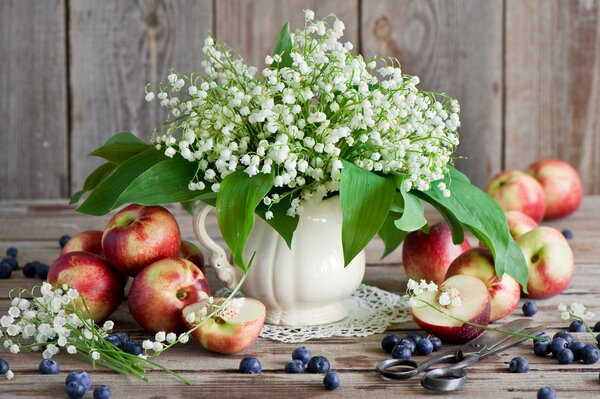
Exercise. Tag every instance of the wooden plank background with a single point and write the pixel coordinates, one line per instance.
(72, 72)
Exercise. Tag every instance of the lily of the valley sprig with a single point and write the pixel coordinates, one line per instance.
(577, 311)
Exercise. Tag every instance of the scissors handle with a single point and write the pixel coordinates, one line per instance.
(449, 378)
(410, 368)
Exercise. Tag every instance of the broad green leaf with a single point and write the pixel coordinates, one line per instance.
(283, 47)
(92, 181)
(163, 183)
(483, 217)
(76, 197)
(102, 199)
(456, 227)
(238, 197)
(412, 215)
(390, 235)
(366, 199)
(282, 223)
(120, 147)
(188, 206)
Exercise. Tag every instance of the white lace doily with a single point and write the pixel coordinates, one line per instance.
(371, 311)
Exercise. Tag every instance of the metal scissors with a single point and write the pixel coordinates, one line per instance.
(453, 377)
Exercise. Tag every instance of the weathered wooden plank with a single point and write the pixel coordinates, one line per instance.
(454, 47)
(33, 105)
(252, 26)
(140, 42)
(553, 85)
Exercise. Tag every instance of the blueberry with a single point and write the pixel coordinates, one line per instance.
(75, 390)
(557, 345)
(568, 234)
(41, 269)
(597, 327)
(415, 336)
(529, 308)
(62, 241)
(12, 262)
(12, 252)
(563, 334)
(318, 364)
(102, 392)
(331, 381)
(541, 348)
(401, 352)
(294, 366)
(589, 354)
(576, 348)
(544, 335)
(577, 326)
(409, 343)
(546, 393)
(302, 354)
(565, 356)
(518, 365)
(250, 365)
(424, 347)
(49, 366)
(389, 341)
(5, 270)
(4, 367)
(113, 339)
(81, 377)
(122, 336)
(132, 347)
(29, 269)
(437, 343)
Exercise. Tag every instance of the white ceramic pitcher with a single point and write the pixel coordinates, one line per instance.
(302, 286)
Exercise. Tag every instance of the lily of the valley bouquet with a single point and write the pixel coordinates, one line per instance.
(316, 122)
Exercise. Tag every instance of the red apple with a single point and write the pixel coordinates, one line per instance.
(95, 280)
(479, 262)
(87, 241)
(191, 252)
(161, 290)
(561, 184)
(474, 307)
(519, 223)
(550, 261)
(427, 256)
(137, 236)
(517, 191)
(232, 330)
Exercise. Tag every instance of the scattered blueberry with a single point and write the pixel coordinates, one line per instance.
(318, 364)
(597, 327)
(113, 339)
(577, 326)
(568, 234)
(122, 336)
(576, 348)
(541, 348)
(302, 354)
(544, 335)
(389, 341)
(4, 367)
(102, 392)
(557, 345)
(12, 252)
(294, 366)
(401, 352)
(49, 366)
(563, 334)
(415, 336)
(437, 343)
(409, 343)
(590, 354)
(75, 390)
(331, 380)
(79, 376)
(12, 262)
(29, 269)
(250, 365)
(565, 356)
(529, 308)
(64, 240)
(518, 365)
(41, 269)
(132, 347)
(424, 347)
(546, 393)
(5, 270)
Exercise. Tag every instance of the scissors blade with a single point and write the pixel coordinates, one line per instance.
(513, 341)
(491, 339)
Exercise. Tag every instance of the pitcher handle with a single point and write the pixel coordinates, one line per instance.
(217, 258)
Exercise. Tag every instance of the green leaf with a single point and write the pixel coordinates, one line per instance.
(92, 181)
(188, 206)
(282, 223)
(238, 197)
(76, 197)
(283, 47)
(162, 183)
(102, 198)
(483, 217)
(120, 147)
(390, 235)
(412, 215)
(366, 199)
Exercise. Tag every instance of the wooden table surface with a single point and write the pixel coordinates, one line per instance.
(35, 226)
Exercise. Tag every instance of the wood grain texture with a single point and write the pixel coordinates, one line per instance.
(116, 48)
(553, 85)
(33, 104)
(454, 47)
(251, 26)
